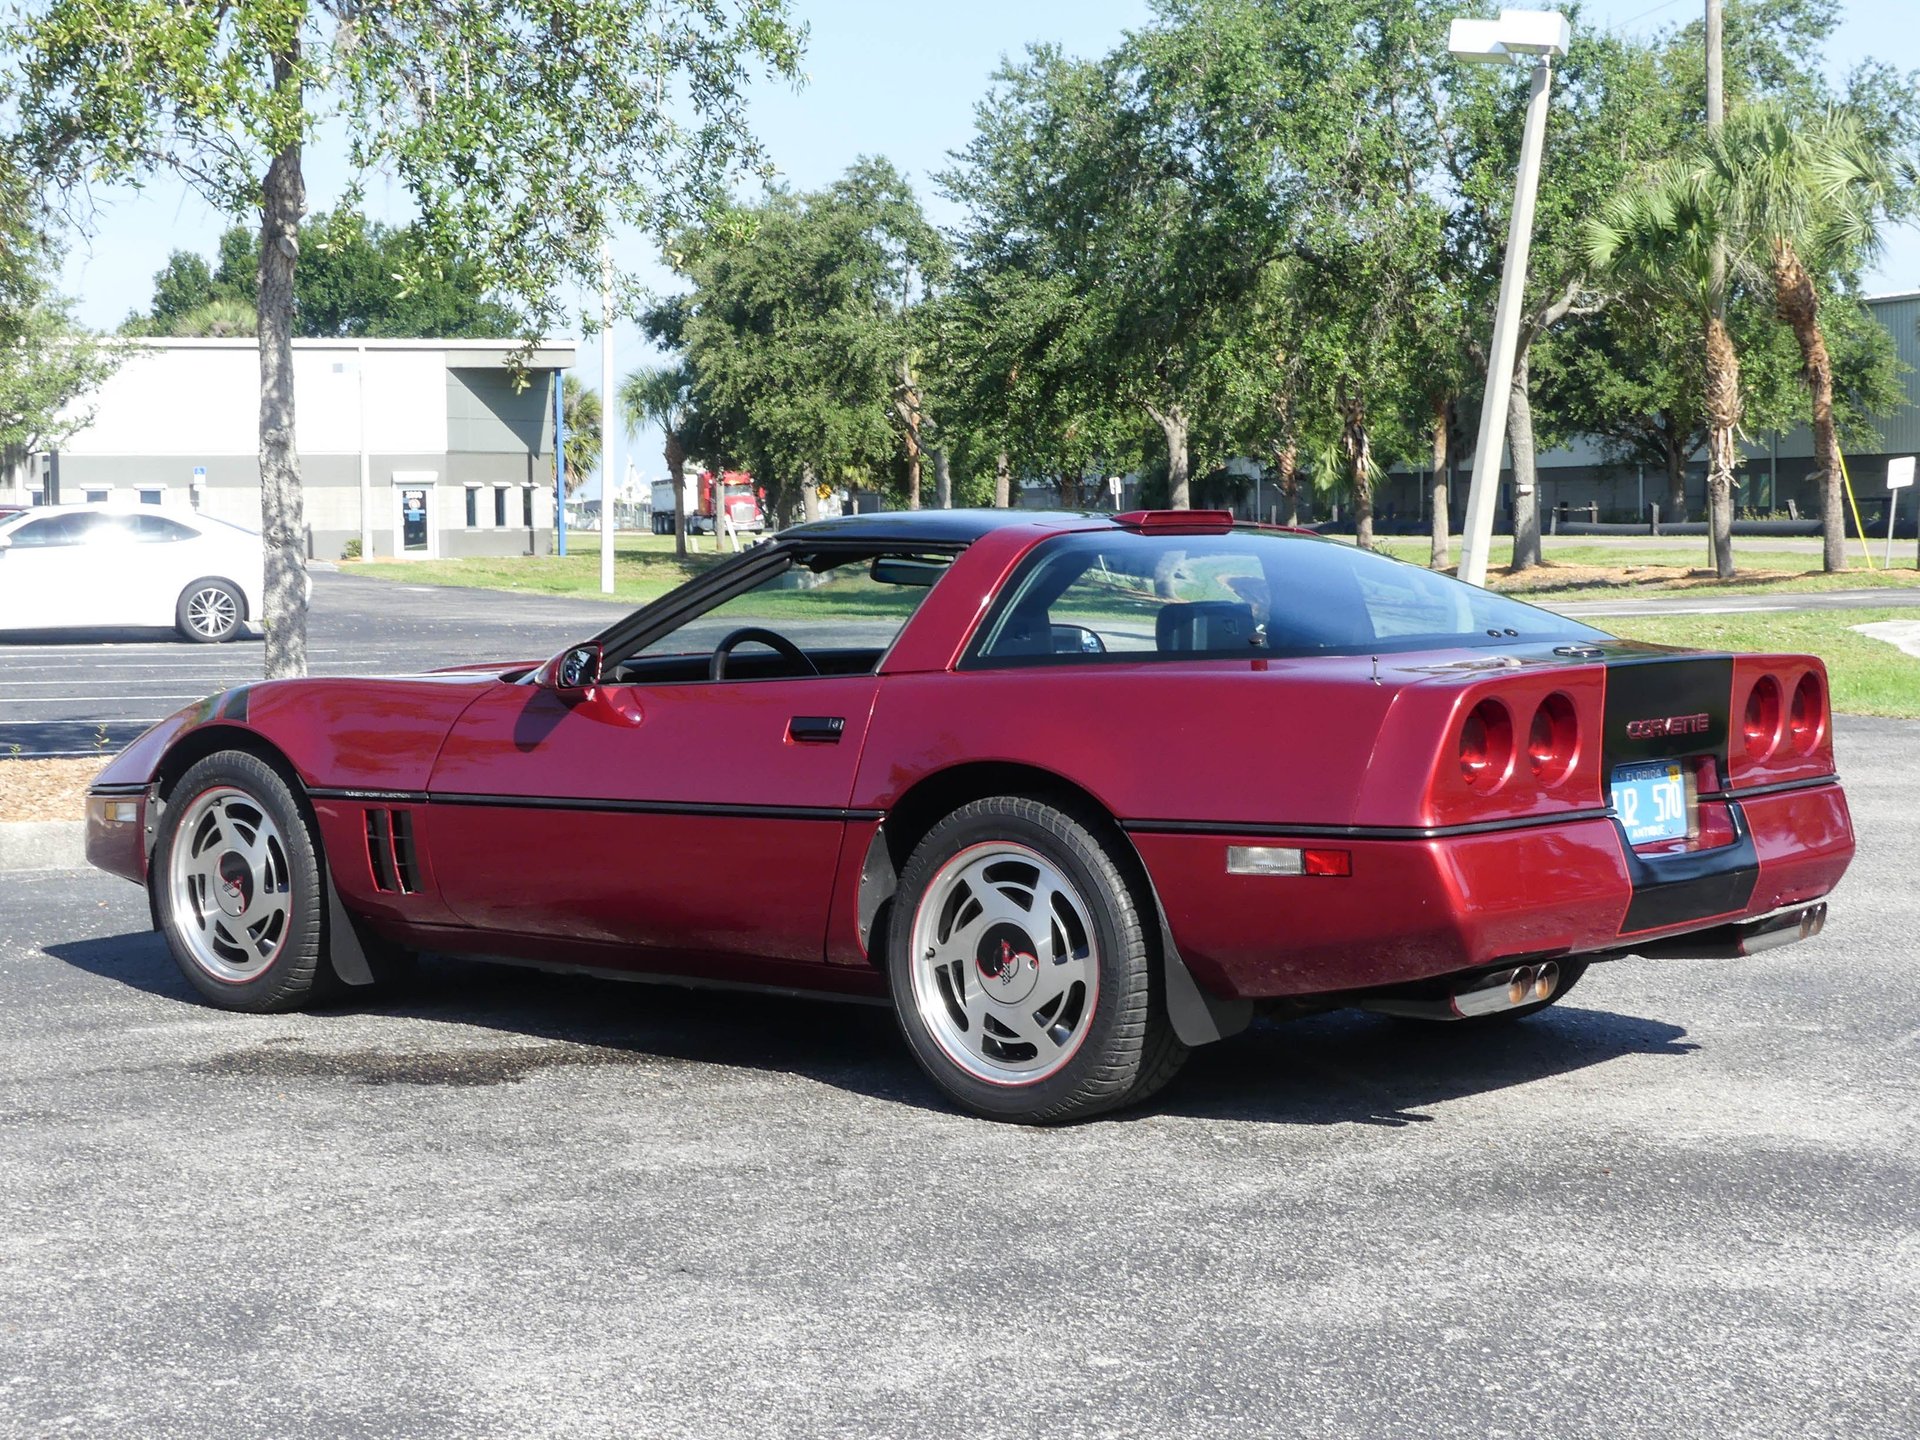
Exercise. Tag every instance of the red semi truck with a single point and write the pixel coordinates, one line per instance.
(736, 488)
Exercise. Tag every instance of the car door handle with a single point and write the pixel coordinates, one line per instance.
(816, 729)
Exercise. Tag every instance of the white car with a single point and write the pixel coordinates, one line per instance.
(90, 567)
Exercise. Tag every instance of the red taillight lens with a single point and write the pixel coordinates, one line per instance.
(1553, 739)
(1486, 745)
(1807, 720)
(1761, 725)
(1326, 862)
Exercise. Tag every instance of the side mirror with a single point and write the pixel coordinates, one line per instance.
(1077, 640)
(577, 672)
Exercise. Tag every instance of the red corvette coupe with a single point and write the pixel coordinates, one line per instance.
(1075, 792)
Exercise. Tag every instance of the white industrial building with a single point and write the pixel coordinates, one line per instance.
(435, 447)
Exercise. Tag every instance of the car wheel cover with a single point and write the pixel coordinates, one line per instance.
(211, 610)
(1005, 964)
(231, 885)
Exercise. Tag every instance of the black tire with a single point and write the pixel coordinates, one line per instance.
(209, 611)
(295, 971)
(1125, 1049)
(1570, 973)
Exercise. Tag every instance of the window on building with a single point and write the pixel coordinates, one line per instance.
(153, 494)
(98, 494)
(526, 506)
(500, 506)
(473, 506)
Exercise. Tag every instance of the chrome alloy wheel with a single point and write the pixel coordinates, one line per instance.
(230, 884)
(1005, 965)
(212, 611)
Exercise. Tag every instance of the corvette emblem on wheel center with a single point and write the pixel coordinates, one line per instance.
(235, 888)
(1006, 962)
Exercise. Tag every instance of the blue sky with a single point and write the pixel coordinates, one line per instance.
(884, 78)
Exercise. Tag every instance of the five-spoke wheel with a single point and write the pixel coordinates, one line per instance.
(1023, 974)
(1005, 966)
(237, 877)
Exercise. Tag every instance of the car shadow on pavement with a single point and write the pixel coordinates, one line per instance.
(1341, 1068)
(1348, 1067)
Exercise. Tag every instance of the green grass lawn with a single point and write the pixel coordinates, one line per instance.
(1870, 677)
(1632, 569)
(644, 568)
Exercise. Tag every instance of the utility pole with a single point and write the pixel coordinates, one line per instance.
(607, 402)
(1517, 35)
(1717, 260)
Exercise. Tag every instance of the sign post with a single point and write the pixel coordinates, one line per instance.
(1899, 477)
(199, 486)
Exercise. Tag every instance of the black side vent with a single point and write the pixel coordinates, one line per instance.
(380, 850)
(390, 851)
(404, 865)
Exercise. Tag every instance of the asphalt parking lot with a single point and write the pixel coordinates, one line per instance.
(1683, 1203)
(67, 694)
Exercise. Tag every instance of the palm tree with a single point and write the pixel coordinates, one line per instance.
(1656, 238)
(663, 395)
(582, 408)
(1803, 199)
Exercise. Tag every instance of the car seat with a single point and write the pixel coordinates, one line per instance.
(1205, 625)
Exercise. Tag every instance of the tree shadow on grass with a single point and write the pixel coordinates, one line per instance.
(1342, 1068)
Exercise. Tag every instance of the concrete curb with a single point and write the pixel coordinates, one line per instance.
(43, 845)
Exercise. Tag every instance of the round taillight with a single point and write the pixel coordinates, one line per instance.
(1486, 745)
(1808, 717)
(1761, 725)
(1553, 739)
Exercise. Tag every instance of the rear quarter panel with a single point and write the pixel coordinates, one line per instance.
(1254, 742)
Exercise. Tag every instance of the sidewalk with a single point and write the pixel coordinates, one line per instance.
(42, 845)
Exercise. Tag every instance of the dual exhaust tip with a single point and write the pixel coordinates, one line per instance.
(1488, 995)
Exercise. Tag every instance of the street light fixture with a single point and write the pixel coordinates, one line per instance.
(1538, 35)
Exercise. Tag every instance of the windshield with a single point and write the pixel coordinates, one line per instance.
(1120, 595)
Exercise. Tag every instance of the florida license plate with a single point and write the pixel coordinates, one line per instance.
(1653, 801)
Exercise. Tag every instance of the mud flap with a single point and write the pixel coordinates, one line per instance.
(1198, 1018)
(344, 951)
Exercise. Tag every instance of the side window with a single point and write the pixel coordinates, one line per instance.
(1138, 598)
(841, 612)
(158, 530)
(1093, 596)
(57, 530)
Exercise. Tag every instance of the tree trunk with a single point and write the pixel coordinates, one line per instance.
(942, 479)
(677, 471)
(907, 403)
(1723, 417)
(1526, 479)
(1173, 423)
(283, 199)
(1002, 481)
(1438, 557)
(1357, 446)
(1674, 512)
(1798, 304)
(1286, 473)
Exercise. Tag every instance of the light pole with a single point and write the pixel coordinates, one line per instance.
(366, 464)
(607, 404)
(1517, 34)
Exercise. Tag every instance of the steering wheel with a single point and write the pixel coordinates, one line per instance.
(786, 648)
